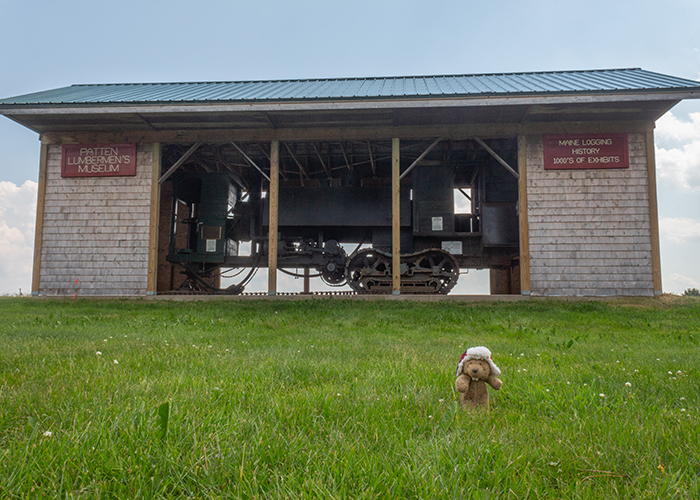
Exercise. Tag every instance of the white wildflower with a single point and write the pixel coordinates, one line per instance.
(628, 384)
(48, 434)
(682, 409)
(601, 395)
(98, 353)
(116, 362)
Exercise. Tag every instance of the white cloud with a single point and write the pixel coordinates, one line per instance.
(679, 229)
(17, 219)
(670, 128)
(678, 151)
(676, 283)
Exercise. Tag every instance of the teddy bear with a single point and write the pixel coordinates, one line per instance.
(475, 370)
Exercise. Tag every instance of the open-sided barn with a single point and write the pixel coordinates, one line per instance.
(391, 185)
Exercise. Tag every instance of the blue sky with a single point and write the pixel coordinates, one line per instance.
(54, 44)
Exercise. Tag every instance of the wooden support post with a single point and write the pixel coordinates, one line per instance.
(522, 210)
(395, 217)
(653, 213)
(273, 198)
(39, 230)
(152, 286)
(307, 280)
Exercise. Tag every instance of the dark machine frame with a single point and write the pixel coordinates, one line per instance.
(335, 211)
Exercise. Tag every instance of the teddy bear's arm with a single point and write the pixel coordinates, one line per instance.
(494, 382)
(462, 383)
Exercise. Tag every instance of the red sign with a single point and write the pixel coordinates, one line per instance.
(98, 160)
(585, 151)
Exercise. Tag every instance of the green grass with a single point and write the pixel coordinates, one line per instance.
(347, 399)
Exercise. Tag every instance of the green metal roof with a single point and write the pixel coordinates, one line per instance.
(482, 85)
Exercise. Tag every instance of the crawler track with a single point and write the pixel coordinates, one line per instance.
(432, 271)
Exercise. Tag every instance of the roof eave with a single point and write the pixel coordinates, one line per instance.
(346, 104)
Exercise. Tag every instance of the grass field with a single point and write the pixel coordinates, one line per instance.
(331, 398)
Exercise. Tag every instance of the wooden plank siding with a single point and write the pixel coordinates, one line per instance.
(589, 230)
(96, 230)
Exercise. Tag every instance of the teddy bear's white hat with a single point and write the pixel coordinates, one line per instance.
(479, 353)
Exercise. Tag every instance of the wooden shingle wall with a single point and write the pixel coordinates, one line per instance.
(589, 230)
(96, 230)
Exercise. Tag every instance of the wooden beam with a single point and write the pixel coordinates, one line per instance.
(273, 195)
(653, 213)
(395, 216)
(323, 163)
(302, 170)
(423, 155)
(345, 156)
(234, 173)
(371, 158)
(303, 134)
(247, 158)
(152, 285)
(39, 229)
(179, 162)
(522, 210)
(498, 158)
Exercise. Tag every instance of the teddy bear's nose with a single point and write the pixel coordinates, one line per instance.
(474, 370)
